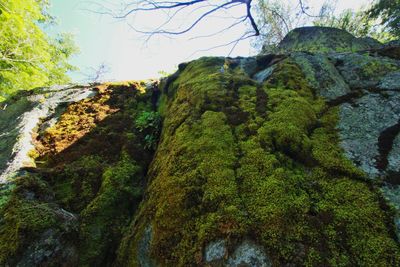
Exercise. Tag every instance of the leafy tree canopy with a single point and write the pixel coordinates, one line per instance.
(358, 23)
(275, 18)
(389, 12)
(29, 58)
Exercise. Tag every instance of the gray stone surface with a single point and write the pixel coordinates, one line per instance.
(248, 65)
(19, 120)
(392, 194)
(322, 75)
(364, 71)
(49, 250)
(394, 156)
(144, 248)
(53, 247)
(324, 39)
(361, 124)
(263, 75)
(390, 81)
(249, 254)
(215, 251)
(393, 43)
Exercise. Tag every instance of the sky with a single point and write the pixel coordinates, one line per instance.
(128, 55)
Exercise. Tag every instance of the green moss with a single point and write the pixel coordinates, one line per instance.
(373, 67)
(235, 160)
(103, 220)
(289, 75)
(25, 218)
(325, 147)
(93, 164)
(239, 160)
(5, 193)
(289, 124)
(79, 182)
(101, 176)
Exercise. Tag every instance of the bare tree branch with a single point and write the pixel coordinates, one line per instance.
(174, 10)
(304, 9)
(149, 6)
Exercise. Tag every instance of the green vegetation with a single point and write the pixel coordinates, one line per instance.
(93, 162)
(379, 19)
(104, 219)
(23, 218)
(28, 57)
(239, 159)
(389, 12)
(104, 184)
(359, 23)
(149, 123)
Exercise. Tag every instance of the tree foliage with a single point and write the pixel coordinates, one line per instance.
(276, 18)
(389, 12)
(29, 58)
(358, 23)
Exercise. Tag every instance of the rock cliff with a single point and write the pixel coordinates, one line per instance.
(287, 159)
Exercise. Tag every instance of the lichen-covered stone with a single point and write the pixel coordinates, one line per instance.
(322, 75)
(362, 123)
(390, 81)
(248, 254)
(263, 75)
(215, 251)
(364, 71)
(324, 39)
(237, 158)
(20, 119)
(394, 156)
(392, 194)
(143, 253)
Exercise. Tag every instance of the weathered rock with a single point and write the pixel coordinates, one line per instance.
(390, 81)
(393, 43)
(18, 122)
(263, 75)
(361, 125)
(394, 156)
(96, 143)
(215, 251)
(322, 75)
(324, 39)
(50, 249)
(246, 253)
(365, 71)
(275, 160)
(143, 253)
(392, 194)
(249, 254)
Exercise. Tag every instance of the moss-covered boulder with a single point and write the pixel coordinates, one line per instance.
(91, 155)
(325, 39)
(253, 174)
(275, 160)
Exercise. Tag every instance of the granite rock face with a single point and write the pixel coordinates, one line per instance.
(274, 160)
(322, 75)
(325, 39)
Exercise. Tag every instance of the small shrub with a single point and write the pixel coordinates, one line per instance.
(149, 123)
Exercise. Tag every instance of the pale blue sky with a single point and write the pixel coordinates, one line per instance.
(105, 40)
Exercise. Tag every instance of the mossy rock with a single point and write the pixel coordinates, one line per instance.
(274, 176)
(92, 163)
(324, 39)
